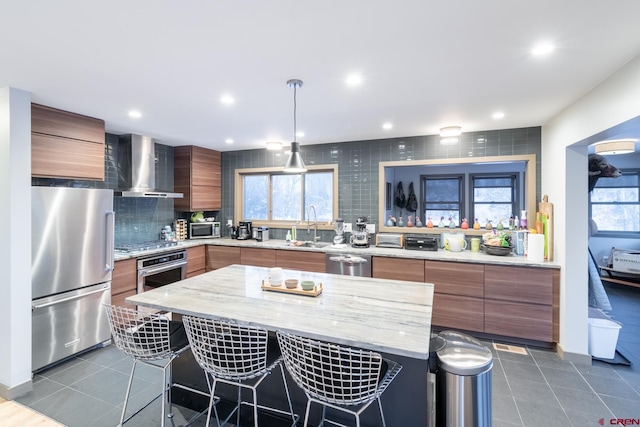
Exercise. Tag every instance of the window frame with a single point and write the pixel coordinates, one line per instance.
(238, 204)
(515, 191)
(461, 195)
(618, 234)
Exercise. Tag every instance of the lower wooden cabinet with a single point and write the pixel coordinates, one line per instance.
(196, 261)
(257, 256)
(221, 256)
(451, 311)
(398, 268)
(300, 260)
(511, 319)
(123, 281)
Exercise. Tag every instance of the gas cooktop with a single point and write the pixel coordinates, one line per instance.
(145, 246)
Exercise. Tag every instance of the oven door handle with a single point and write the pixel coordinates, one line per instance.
(164, 267)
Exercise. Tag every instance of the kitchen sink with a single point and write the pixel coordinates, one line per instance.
(310, 244)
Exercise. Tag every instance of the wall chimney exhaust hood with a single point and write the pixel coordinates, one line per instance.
(137, 168)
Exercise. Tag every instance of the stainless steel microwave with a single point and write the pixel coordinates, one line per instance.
(204, 230)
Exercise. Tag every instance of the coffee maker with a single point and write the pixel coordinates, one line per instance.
(244, 230)
(360, 237)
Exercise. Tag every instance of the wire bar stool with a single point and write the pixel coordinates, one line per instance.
(153, 340)
(344, 378)
(237, 355)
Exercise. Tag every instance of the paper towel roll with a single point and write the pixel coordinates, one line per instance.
(536, 248)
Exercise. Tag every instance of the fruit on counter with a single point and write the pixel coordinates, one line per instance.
(501, 239)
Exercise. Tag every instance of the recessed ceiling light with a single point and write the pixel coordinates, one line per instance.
(480, 140)
(450, 131)
(227, 99)
(299, 134)
(354, 80)
(498, 115)
(542, 48)
(135, 114)
(228, 141)
(387, 126)
(274, 145)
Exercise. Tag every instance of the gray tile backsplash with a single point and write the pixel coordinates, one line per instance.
(141, 219)
(358, 164)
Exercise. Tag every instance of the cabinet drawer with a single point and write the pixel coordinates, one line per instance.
(258, 257)
(398, 268)
(455, 278)
(195, 259)
(299, 260)
(528, 321)
(519, 284)
(222, 256)
(56, 157)
(450, 311)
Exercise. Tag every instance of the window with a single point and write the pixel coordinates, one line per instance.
(494, 198)
(269, 196)
(443, 196)
(614, 204)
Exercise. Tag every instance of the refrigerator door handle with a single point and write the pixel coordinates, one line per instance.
(110, 260)
(50, 303)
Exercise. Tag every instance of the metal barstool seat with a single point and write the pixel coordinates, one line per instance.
(151, 339)
(344, 378)
(236, 355)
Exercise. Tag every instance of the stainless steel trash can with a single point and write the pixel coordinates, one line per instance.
(463, 382)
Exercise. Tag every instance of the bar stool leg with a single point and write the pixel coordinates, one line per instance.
(126, 395)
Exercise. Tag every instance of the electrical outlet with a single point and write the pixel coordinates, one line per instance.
(371, 228)
(347, 227)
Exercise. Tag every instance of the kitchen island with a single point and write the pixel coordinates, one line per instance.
(388, 316)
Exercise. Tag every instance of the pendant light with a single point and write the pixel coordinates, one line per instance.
(295, 163)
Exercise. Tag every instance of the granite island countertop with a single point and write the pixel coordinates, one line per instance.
(439, 255)
(390, 316)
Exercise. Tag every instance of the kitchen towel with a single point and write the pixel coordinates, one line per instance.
(536, 248)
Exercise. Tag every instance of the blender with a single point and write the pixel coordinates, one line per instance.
(338, 239)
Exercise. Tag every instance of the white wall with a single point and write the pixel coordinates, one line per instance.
(613, 101)
(15, 250)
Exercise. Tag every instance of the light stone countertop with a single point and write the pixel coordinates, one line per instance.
(439, 255)
(389, 316)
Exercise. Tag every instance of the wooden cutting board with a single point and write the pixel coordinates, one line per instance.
(546, 210)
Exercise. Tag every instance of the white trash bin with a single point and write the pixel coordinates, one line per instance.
(603, 338)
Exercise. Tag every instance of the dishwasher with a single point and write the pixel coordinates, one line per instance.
(348, 264)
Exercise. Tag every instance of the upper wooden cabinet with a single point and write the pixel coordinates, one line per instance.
(197, 174)
(66, 145)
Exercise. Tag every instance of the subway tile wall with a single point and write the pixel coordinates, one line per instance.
(137, 219)
(358, 165)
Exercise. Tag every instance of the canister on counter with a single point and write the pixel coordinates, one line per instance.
(475, 244)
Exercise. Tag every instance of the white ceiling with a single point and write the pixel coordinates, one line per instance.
(425, 64)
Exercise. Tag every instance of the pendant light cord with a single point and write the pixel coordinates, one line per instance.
(295, 86)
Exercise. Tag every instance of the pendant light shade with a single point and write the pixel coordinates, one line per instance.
(295, 163)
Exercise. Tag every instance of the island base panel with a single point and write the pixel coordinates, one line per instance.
(404, 402)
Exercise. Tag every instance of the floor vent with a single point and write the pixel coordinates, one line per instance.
(510, 348)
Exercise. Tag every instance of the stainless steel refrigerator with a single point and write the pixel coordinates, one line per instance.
(72, 233)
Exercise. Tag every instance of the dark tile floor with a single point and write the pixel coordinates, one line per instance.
(537, 389)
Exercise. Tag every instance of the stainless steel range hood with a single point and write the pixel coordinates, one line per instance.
(137, 168)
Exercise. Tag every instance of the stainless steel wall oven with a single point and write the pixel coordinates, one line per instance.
(161, 269)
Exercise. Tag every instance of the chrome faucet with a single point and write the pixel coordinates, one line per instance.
(315, 223)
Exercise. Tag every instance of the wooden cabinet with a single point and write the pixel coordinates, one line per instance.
(300, 260)
(66, 145)
(196, 263)
(197, 174)
(123, 281)
(398, 268)
(519, 302)
(221, 256)
(257, 256)
(458, 300)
